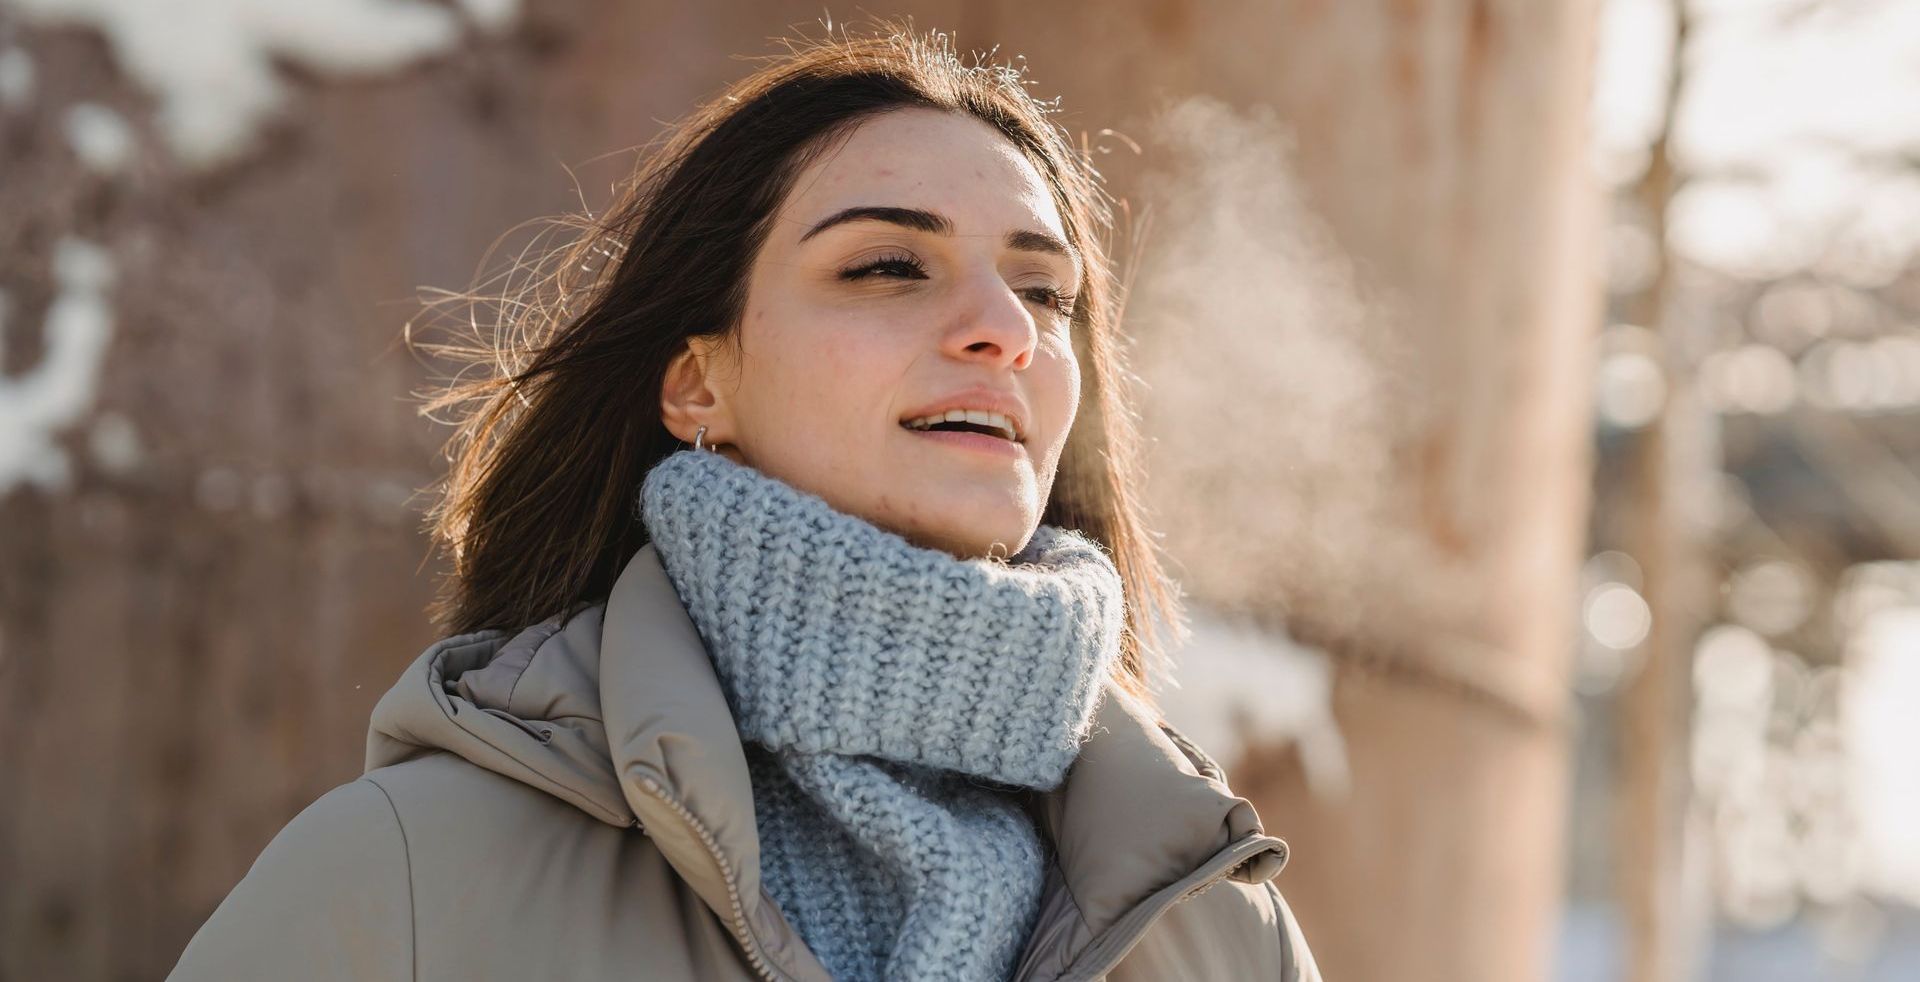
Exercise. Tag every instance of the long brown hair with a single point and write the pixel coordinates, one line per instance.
(552, 441)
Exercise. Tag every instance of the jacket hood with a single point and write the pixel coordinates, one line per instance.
(616, 710)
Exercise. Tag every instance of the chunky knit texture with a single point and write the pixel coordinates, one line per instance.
(892, 700)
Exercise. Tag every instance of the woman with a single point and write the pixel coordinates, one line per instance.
(853, 688)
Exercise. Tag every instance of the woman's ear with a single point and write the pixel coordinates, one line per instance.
(691, 395)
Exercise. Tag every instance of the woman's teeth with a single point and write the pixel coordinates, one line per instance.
(979, 417)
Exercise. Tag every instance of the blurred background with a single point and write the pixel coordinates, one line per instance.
(1533, 389)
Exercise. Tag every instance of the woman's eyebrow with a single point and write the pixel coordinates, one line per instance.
(921, 220)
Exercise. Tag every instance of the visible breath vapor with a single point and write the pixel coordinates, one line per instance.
(1269, 402)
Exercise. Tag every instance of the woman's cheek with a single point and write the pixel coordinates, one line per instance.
(1064, 394)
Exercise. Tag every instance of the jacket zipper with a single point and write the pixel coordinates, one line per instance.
(741, 931)
(1223, 863)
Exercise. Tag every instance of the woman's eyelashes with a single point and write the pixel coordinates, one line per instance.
(906, 264)
(909, 268)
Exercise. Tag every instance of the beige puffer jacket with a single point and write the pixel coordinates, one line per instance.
(571, 802)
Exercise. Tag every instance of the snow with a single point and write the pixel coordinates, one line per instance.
(1241, 687)
(210, 66)
(16, 78)
(54, 394)
(100, 138)
(1883, 734)
(114, 443)
(209, 63)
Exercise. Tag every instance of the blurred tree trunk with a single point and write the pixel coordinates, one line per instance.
(1674, 453)
(1446, 146)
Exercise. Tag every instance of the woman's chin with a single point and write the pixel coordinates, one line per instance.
(998, 539)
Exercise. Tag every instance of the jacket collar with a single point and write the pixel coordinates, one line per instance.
(617, 710)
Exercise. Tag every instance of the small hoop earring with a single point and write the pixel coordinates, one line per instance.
(697, 435)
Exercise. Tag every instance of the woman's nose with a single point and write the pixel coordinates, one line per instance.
(997, 328)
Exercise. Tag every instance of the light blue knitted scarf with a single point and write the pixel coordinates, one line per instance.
(892, 700)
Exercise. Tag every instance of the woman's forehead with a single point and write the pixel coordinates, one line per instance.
(941, 162)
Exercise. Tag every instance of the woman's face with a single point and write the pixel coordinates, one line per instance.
(918, 268)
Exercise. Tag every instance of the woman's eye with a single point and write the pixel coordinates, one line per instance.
(902, 266)
(1057, 300)
(906, 267)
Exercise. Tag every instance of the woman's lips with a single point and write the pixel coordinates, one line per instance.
(976, 442)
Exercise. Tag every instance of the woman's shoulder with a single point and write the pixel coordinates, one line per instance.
(329, 897)
(435, 852)
(473, 810)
